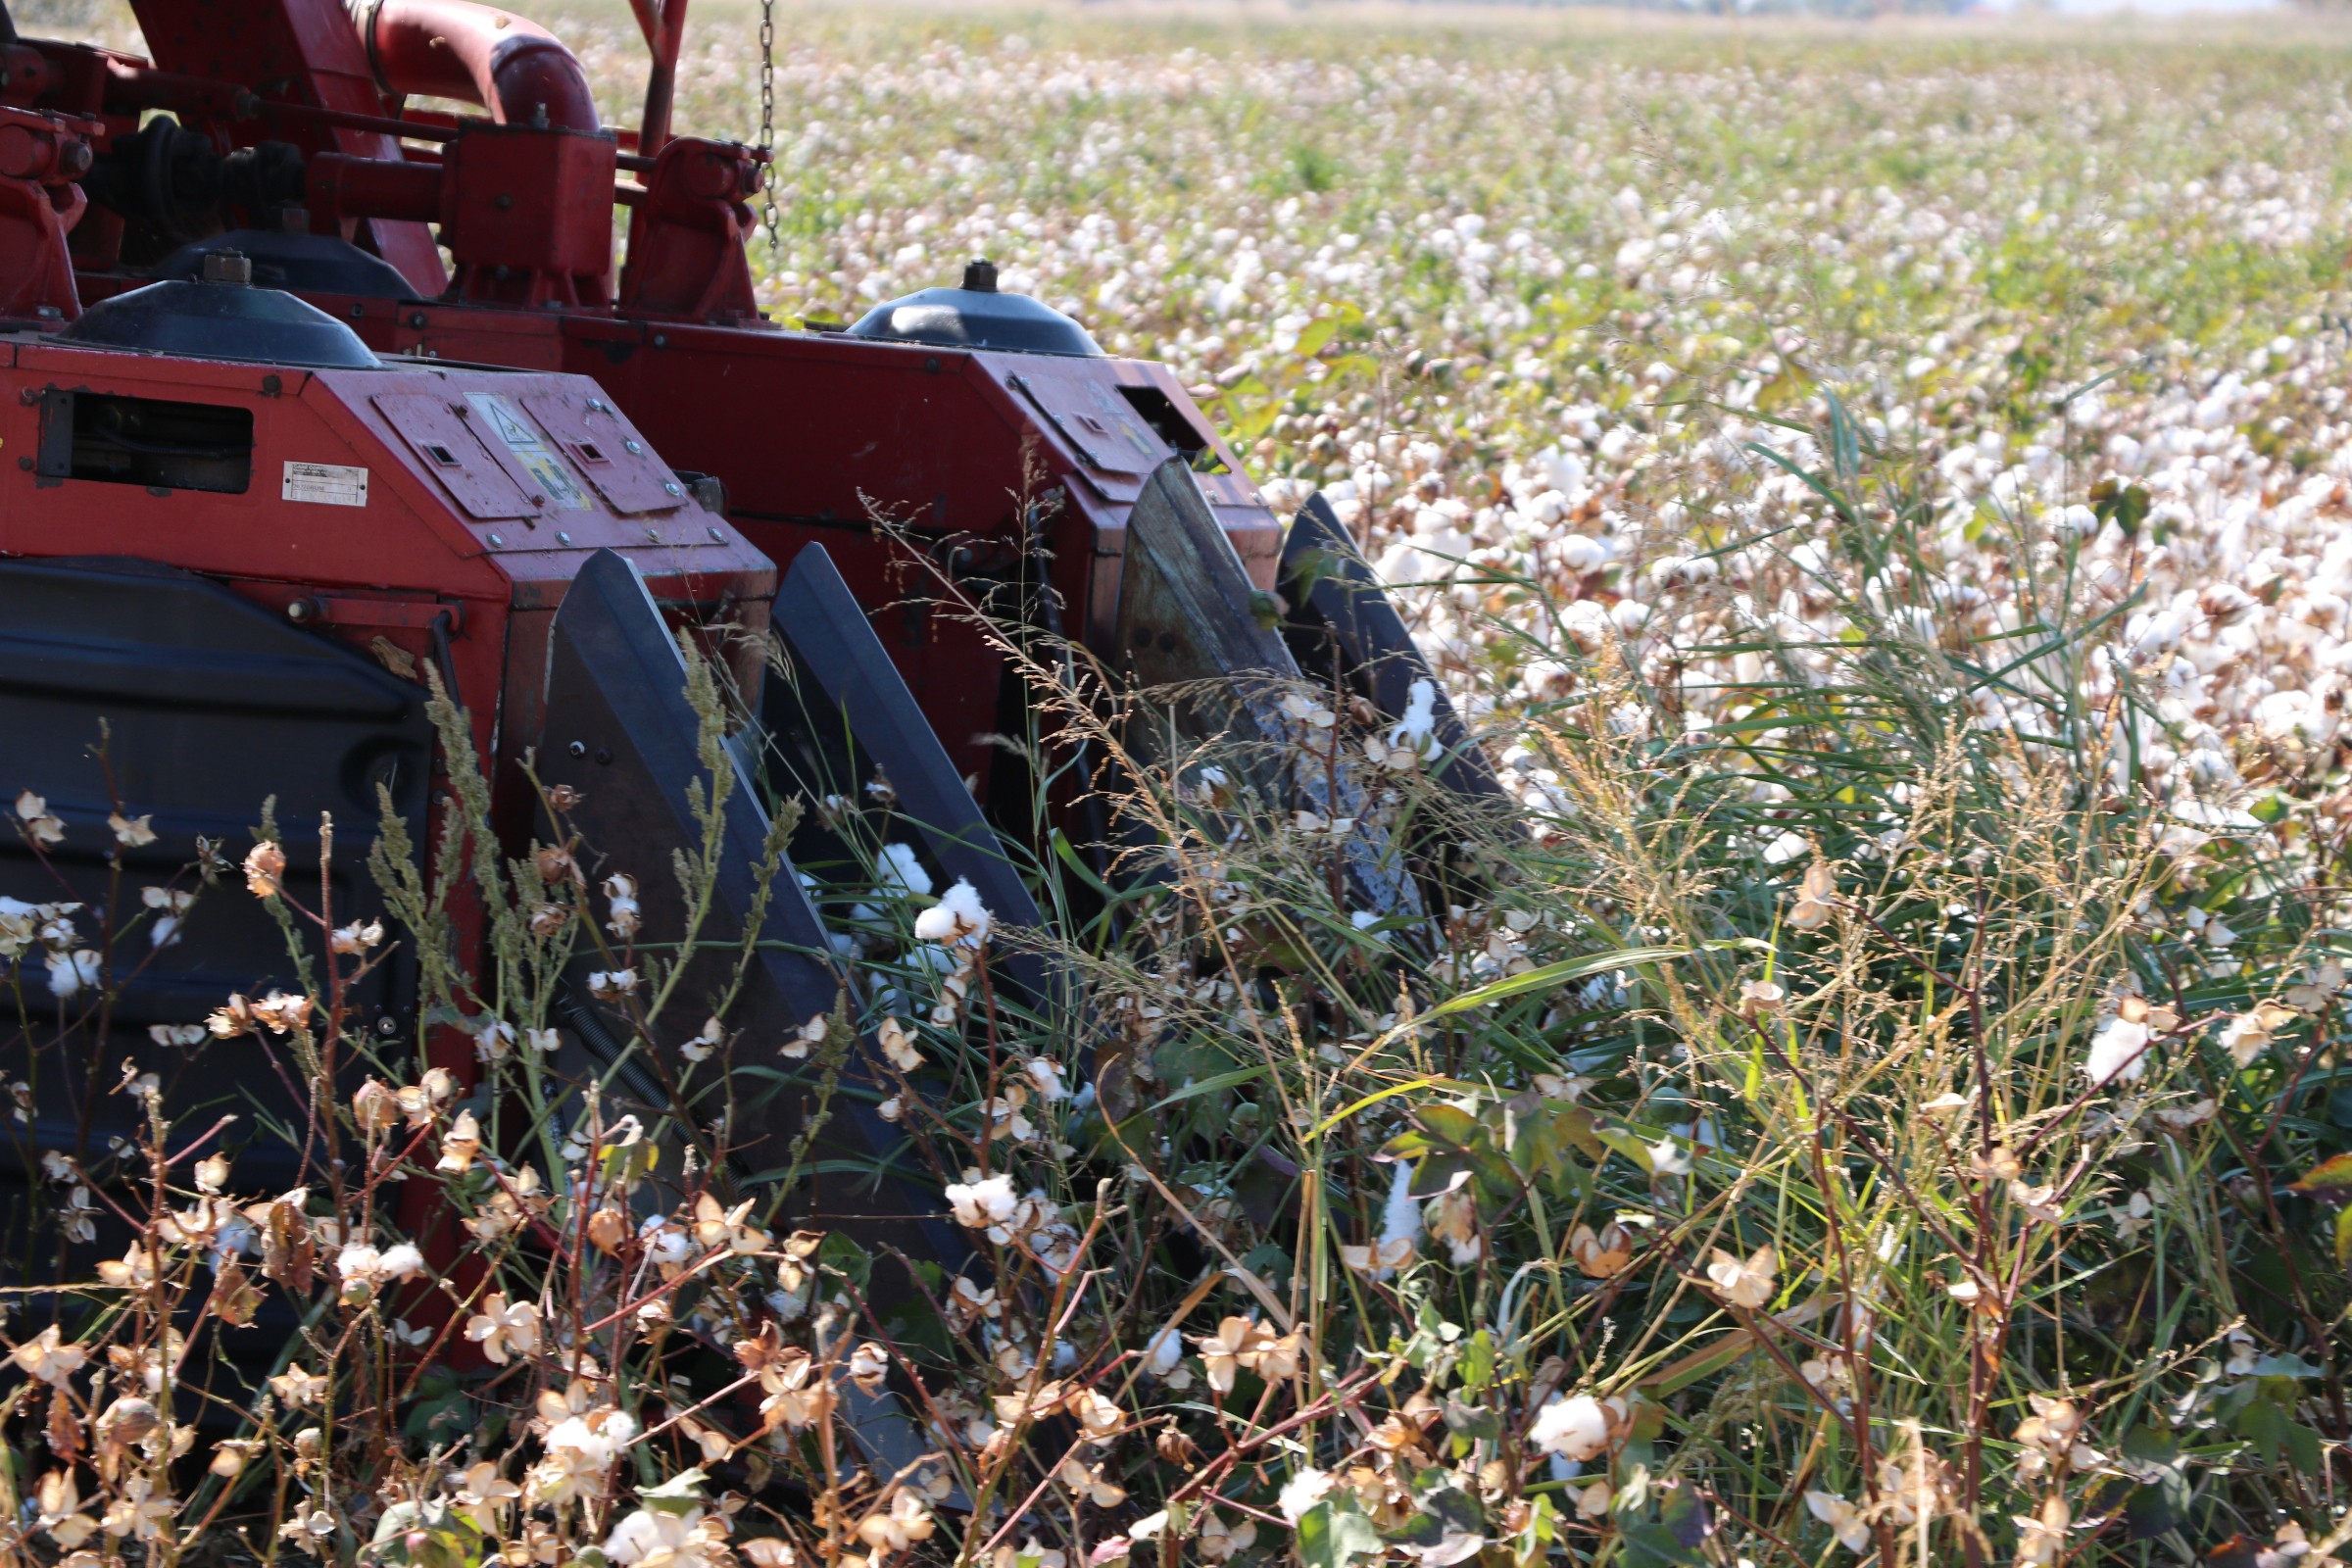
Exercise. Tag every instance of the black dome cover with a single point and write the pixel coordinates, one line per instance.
(222, 321)
(976, 317)
(312, 263)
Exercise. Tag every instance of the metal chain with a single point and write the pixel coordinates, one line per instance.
(768, 119)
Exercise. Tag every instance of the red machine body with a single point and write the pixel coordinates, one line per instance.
(380, 504)
(276, 461)
(292, 112)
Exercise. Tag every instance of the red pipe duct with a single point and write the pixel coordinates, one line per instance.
(477, 54)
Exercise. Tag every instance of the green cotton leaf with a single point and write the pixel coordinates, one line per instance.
(1214, 1082)
(1408, 1145)
(1449, 1124)
(1545, 977)
(1316, 335)
(2330, 1175)
(1334, 1533)
(1450, 1085)
(1686, 1516)
(680, 1495)
(1477, 1366)
(2343, 1237)
(2159, 1503)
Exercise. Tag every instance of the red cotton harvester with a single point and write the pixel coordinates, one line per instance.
(315, 395)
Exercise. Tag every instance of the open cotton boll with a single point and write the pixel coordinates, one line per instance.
(1400, 1216)
(1418, 731)
(2119, 1049)
(900, 872)
(957, 917)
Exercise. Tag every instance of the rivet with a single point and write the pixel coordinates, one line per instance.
(387, 1026)
(660, 340)
(632, 447)
(716, 536)
(561, 537)
(579, 748)
(496, 540)
(670, 488)
(595, 405)
(652, 536)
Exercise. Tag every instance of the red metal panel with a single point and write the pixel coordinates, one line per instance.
(450, 452)
(1080, 400)
(607, 449)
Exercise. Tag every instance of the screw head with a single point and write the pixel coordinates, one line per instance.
(387, 1026)
(577, 748)
(496, 540)
(716, 536)
(561, 537)
(671, 489)
(632, 447)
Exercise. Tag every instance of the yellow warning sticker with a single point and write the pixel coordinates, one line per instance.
(531, 450)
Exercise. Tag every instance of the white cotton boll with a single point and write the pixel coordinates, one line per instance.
(1418, 731)
(2153, 632)
(1587, 625)
(1402, 565)
(2119, 1050)
(401, 1262)
(1575, 1428)
(959, 917)
(1167, 1351)
(1047, 1076)
(1787, 847)
(1579, 553)
(2076, 522)
(1630, 615)
(982, 1202)
(1566, 470)
(1400, 1216)
(900, 872)
(2211, 768)
(69, 972)
(1302, 1492)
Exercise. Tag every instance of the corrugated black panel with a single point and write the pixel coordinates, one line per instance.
(211, 705)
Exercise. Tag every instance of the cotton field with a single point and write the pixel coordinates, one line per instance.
(1872, 1090)
(1524, 303)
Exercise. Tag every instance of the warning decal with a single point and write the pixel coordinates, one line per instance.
(530, 448)
(325, 484)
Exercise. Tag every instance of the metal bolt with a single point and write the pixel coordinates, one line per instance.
(578, 747)
(668, 488)
(415, 318)
(652, 536)
(660, 340)
(496, 540)
(716, 536)
(301, 609)
(595, 405)
(387, 1026)
(631, 447)
(561, 537)
(359, 311)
